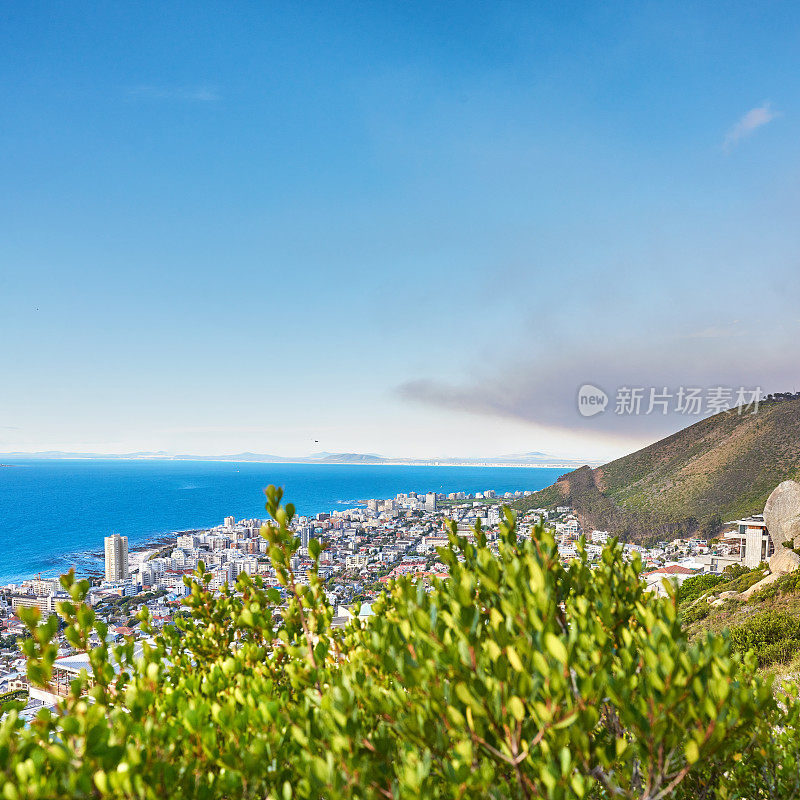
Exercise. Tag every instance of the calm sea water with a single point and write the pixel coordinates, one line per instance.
(54, 514)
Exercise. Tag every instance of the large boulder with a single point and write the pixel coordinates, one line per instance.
(782, 515)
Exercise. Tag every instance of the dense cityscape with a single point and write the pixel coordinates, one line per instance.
(362, 549)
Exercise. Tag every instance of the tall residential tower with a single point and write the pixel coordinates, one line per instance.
(116, 557)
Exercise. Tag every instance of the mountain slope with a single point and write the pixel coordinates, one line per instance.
(720, 467)
(768, 621)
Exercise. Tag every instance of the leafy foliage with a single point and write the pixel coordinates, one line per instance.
(743, 578)
(694, 593)
(699, 585)
(14, 694)
(123, 604)
(734, 578)
(774, 637)
(514, 678)
(698, 610)
(788, 584)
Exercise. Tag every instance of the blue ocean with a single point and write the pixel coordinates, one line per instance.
(54, 514)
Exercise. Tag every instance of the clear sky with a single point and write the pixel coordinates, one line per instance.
(406, 228)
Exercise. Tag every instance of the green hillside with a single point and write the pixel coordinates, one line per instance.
(767, 622)
(717, 469)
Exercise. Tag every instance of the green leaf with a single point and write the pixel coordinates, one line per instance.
(514, 659)
(517, 708)
(555, 647)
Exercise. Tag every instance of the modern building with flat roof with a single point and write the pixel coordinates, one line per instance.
(754, 540)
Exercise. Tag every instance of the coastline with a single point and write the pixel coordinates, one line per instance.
(138, 553)
(557, 464)
(152, 504)
(156, 542)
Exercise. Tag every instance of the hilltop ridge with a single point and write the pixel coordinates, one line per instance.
(719, 468)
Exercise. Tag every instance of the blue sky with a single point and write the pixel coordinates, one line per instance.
(405, 228)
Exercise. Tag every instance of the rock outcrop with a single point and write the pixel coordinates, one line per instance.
(782, 515)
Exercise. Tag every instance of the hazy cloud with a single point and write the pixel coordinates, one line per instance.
(185, 94)
(755, 118)
(544, 392)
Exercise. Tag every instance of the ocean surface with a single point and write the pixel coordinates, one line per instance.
(54, 514)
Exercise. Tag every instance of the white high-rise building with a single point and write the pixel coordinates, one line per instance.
(430, 501)
(116, 558)
(306, 535)
(187, 541)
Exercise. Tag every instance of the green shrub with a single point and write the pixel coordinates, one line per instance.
(695, 612)
(786, 584)
(773, 636)
(514, 678)
(14, 694)
(740, 578)
(692, 588)
(734, 578)
(733, 571)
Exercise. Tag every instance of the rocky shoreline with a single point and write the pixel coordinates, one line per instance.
(156, 542)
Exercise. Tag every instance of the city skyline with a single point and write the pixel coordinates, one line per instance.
(403, 229)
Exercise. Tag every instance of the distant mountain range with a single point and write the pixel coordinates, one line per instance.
(714, 471)
(533, 459)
